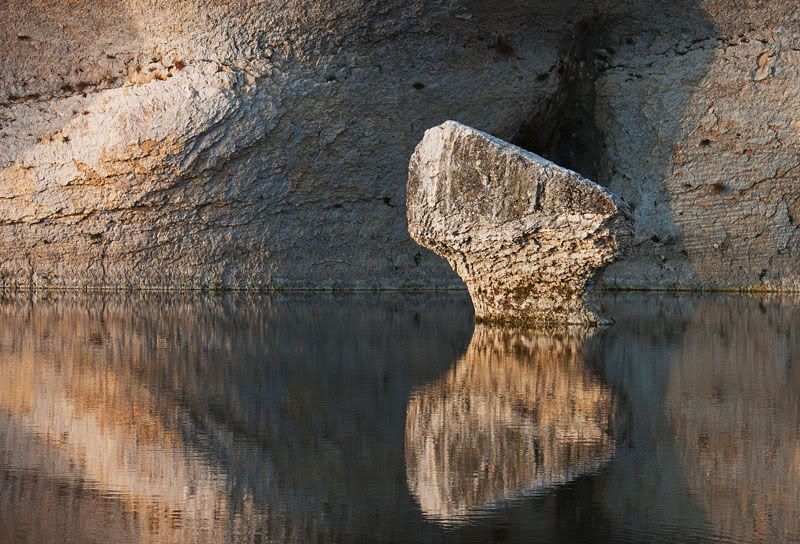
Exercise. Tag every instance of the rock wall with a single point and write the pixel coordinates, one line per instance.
(147, 143)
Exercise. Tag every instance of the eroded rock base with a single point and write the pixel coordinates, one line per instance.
(527, 236)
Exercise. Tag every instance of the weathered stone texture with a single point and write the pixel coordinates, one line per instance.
(263, 144)
(527, 236)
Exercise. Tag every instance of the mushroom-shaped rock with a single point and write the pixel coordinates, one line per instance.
(526, 235)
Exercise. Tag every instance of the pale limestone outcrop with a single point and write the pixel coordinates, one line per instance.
(155, 143)
(518, 414)
(527, 236)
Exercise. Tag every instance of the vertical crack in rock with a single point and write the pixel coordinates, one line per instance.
(525, 235)
(566, 130)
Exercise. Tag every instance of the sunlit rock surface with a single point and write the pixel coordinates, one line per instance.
(264, 143)
(527, 236)
(518, 414)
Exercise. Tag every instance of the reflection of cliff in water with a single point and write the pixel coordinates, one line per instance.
(242, 419)
(736, 416)
(519, 413)
(299, 418)
(83, 428)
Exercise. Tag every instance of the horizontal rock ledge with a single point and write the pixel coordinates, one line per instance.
(527, 236)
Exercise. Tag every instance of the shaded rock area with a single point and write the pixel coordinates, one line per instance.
(152, 143)
(525, 235)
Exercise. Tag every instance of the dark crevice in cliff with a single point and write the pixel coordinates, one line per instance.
(566, 131)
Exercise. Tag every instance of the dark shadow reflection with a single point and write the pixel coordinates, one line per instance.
(734, 403)
(643, 493)
(517, 415)
(714, 394)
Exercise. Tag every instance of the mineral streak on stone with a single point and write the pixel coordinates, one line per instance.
(525, 235)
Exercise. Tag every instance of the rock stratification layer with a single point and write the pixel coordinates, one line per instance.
(525, 235)
(263, 143)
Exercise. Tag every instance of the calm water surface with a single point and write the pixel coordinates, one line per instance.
(391, 417)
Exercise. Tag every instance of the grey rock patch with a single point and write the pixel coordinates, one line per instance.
(527, 236)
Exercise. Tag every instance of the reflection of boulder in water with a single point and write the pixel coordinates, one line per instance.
(519, 413)
(734, 401)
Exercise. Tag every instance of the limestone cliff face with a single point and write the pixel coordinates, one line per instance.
(148, 143)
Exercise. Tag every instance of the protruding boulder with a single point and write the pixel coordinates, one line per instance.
(526, 235)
